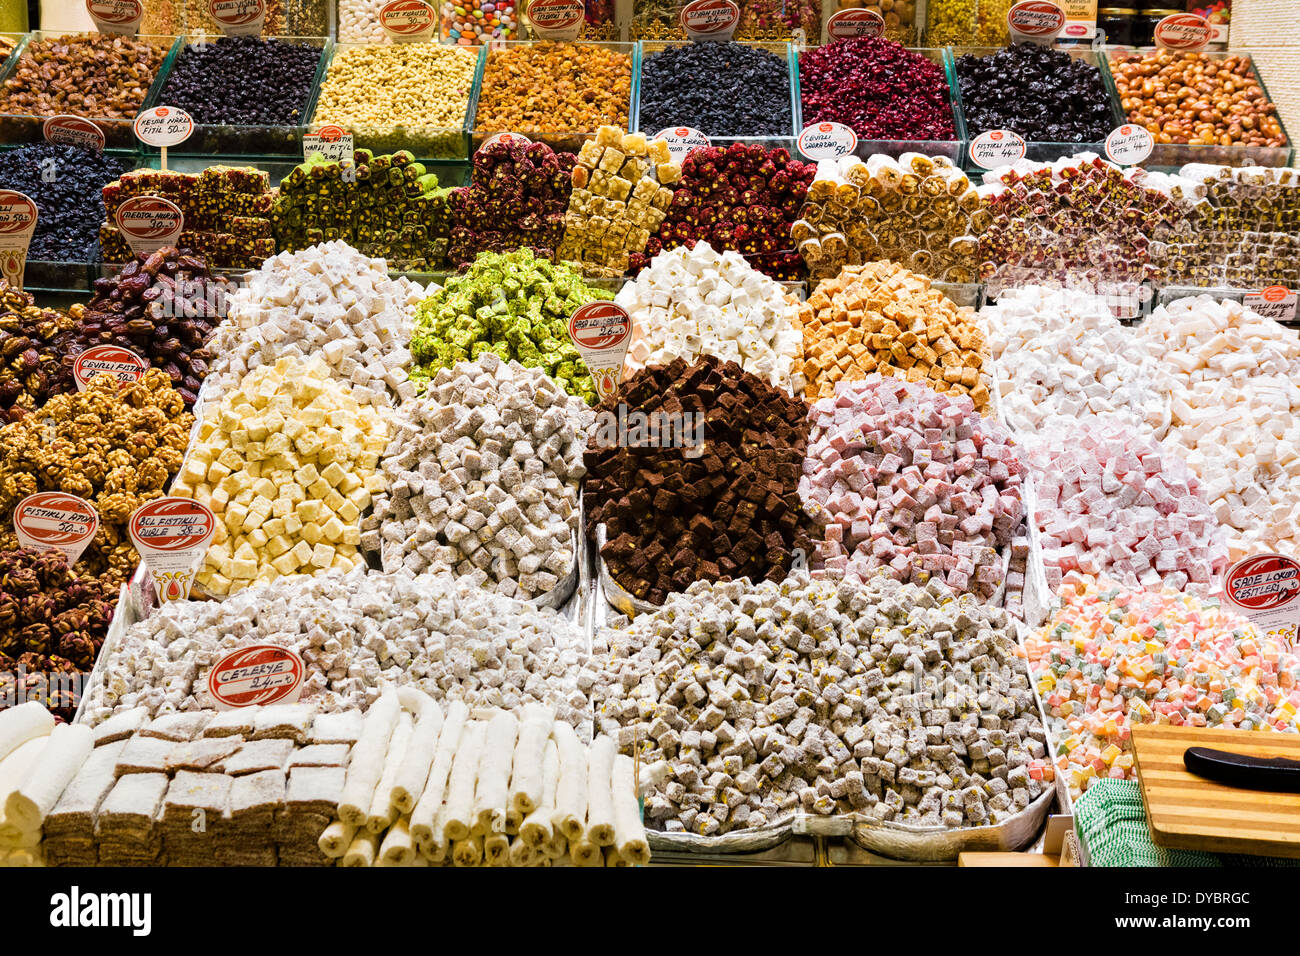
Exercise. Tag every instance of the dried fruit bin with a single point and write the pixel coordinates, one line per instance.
(785, 51)
(1035, 151)
(119, 134)
(561, 139)
(241, 144)
(1172, 155)
(284, 18)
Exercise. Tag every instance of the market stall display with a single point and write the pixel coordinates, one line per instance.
(31, 346)
(755, 102)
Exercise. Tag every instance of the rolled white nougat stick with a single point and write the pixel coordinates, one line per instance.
(467, 852)
(398, 849)
(15, 767)
(335, 839)
(556, 848)
(458, 814)
(421, 750)
(494, 773)
(496, 849)
(536, 828)
(521, 854)
(513, 819)
(629, 833)
(21, 724)
(362, 850)
(600, 799)
(614, 858)
(429, 805)
(366, 764)
(570, 815)
(585, 853)
(382, 812)
(66, 749)
(526, 774)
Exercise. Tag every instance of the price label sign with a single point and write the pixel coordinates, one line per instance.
(163, 126)
(1129, 144)
(859, 22)
(17, 225)
(681, 140)
(172, 535)
(407, 21)
(239, 17)
(1035, 21)
(1276, 302)
(122, 364)
(827, 141)
(506, 138)
(710, 19)
(1185, 32)
(260, 674)
(116, 16)
(602, 332)
(149, 222)
(1266, 589)
(56, 521)
(65, 130)
(556, 19)
(996, 147)
(331, 142)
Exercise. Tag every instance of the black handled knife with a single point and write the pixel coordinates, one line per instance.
(1240, 770)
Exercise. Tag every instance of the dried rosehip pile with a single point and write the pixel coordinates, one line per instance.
(163, 307)
(742, 197)
(52, 621)
(516, 199)
(30, 358)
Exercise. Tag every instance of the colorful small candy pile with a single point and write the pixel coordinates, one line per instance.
(472, 22)
(1111, 657)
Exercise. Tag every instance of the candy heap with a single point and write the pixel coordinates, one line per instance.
(690, 303)
(914, 481)
(1111, 657)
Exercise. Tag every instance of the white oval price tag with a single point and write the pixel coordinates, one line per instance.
(122, 364)
(18, 216)
(1276, 302)
(1266, 589)
(332, 142)
(149, 222)
(239, 17)
(66, 130)
(681, 140)
(260, 674)
(827, 141)
(56, 521)
(1185, 32)
(1035, 21)
(710, 19)
(407, 21)
(116, 16)
(1129, 144)
(859, 22)
(556, 19)
(996, 147)
(172, 536)
(163, 126)
(602, 332)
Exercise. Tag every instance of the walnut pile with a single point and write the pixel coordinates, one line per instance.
(117, 448)
(30, 352)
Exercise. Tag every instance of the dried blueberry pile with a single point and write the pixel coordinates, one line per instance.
(1045, 95)
(65, 183)
(721, 89)
(243, 81)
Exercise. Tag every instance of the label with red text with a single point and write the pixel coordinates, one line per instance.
(1035, 21)
(1276, 303)
(172, 535)
(859, 22)
(116, 16)
(65, 130)
(56, 521)
(996, 147)
(602, 332)
(331, 142)
(556, 19)
(122, 364)
(681, 140)
(17, 224)
(827, 141)
(149, 222)
(1266, 589)
(1186, 32)
(260, 674)
(239, 17)
(163, 126)
(407, 21)
(1129, 144)
(710, 19)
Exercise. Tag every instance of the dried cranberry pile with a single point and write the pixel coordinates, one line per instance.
(878, 88)
(742, 197)
(163, 307)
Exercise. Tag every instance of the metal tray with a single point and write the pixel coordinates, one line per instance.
(931, 844)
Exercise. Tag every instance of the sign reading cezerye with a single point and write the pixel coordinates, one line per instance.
(710, 19)
(17, 225)
(116, 16)
(56, 521)
(239, 17)
(602, 332)
(556, 19)
(149, 222)
(260, 674)
(172, 536)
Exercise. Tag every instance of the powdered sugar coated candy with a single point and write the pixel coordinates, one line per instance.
(911, 481)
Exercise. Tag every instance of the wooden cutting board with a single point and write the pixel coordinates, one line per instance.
(1188, 812)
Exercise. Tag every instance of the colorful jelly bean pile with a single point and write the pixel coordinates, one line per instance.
(471, 22)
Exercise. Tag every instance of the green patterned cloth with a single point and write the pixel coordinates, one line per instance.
(1111, 823)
